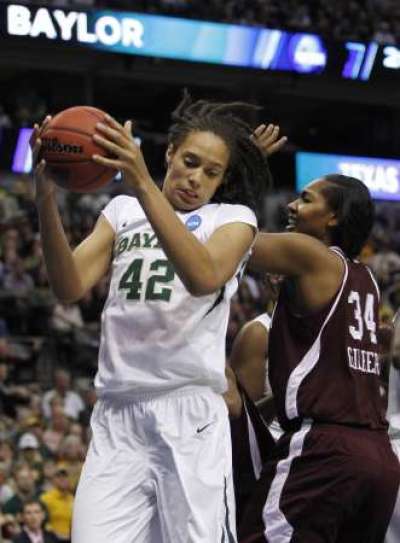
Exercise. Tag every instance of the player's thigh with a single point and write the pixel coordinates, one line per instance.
(116, 504)
(115, 499)
(299, 497)
(194, 479)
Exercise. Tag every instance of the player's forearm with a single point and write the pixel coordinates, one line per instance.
(61, 270)
(190, 258)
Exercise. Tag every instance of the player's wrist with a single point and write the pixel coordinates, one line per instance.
(144, 187)
(44, 197)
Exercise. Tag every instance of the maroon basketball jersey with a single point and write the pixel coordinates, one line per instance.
(326, 366)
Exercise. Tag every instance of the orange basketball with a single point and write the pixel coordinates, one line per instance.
(68, 146)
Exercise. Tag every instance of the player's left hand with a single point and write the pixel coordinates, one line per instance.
(125, 153)
(266, 137)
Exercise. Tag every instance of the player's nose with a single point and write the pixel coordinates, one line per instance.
(195, 179)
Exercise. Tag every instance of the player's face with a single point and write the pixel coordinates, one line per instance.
(195, 170)
(310, 213)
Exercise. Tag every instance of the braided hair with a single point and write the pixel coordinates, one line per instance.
(248, 175)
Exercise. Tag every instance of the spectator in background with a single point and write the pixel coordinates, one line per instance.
(33, 516)
(10, 395)
(76, 429)
(25, 489)
(28, 446)
(49, 470)
(16, 278)
(59, 502)
(6, 491)
(72, 453)
(73, 403)
(9, 251)
(58, 426)
(34, 425)
(384, 263)
(6, 454)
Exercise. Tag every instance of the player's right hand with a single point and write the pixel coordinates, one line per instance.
(44, 186)
(267, 139)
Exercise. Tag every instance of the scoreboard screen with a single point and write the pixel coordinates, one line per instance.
(134, 33)
(380, 175)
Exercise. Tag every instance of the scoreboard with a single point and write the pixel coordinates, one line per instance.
(380, 175)
(191, 40)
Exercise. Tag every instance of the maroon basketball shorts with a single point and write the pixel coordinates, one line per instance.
(326, 484)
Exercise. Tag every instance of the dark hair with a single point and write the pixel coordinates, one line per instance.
(248, 175)
(33, 501)
(351, 201)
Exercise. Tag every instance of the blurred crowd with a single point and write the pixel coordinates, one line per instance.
(48, 352)
(48, 355)
(377, 20)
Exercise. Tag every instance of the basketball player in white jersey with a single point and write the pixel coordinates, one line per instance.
(249, 354)
(249, 361)
(159, 464)
(252, 444)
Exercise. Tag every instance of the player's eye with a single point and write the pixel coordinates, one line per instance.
(190, 162)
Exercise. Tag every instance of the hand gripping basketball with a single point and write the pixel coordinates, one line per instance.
(44, 186)
(67, 147)
(117, 140)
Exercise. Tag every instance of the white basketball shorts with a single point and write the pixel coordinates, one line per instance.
(158, 470)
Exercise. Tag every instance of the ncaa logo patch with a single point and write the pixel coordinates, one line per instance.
(193, 222)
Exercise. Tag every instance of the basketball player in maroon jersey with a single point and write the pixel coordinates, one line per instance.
(333, 476)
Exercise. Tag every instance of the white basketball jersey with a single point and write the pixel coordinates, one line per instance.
(156, 336)
(274, 427)
(265, 320)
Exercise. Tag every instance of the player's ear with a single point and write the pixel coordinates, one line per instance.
(333, 221)
(169, 154)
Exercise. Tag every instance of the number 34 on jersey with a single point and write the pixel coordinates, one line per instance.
(365, 361)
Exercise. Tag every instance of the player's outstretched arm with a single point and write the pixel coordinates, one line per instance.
(71, 274)
(203, 268)
(291, 254)
(316, 270)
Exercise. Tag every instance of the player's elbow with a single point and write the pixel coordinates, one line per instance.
(68, 299)
(202, 286)
(67, 296)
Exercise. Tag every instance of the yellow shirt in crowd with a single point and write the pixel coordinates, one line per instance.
(59, 508)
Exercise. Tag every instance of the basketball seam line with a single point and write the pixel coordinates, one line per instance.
(65, 129)
(93, 113)
(95, 179)
(70, 162)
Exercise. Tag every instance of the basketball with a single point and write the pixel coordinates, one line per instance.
(68, 146)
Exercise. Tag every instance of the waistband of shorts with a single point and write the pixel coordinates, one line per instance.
(148, 396)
